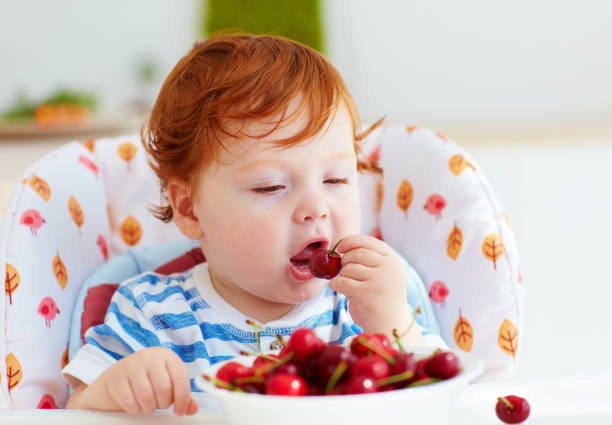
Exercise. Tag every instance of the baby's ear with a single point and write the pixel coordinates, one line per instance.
(182, 204)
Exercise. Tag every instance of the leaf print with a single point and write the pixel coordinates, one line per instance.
(89, 144)
(65, 358)
(11, 281)
(126, 152)
(493, 248)
(507, 338)
(463, 333)
(76, 212)
(13, 371)
(380, 194)
(505, 216)
(41, 187)
(454, 242)
(89, 164)
(131, 231)
(59, 271)
(410, 128)
(404, 196)
(458, 164)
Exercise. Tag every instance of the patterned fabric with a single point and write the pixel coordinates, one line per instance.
(184, 313)
(87, 202)
(436, 207)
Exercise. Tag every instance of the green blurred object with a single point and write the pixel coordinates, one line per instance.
(299, 20)
(23, 108)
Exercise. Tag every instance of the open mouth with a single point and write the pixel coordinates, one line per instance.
(302, 258)
(299, 263)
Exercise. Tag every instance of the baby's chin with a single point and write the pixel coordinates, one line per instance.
(305, 291)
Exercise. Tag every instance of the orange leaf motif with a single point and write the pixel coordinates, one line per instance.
(493, 248)
(507, 338)
(76, 212)
(380, 194)
(458, 164)
(13, 371)
(89, 144)
(11, 281)
(131, 232)
(463, 333)
(127, 151)
(507, 221)
(65, 358)
(454, 242)
(404, 196)
(60, 271)
(41, 187)
(410, 128)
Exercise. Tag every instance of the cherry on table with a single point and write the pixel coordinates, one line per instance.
(304, 343)
(325, 264)
(512, 409)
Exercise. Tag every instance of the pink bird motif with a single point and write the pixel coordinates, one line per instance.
(48, 309)
(101, 241)
(47, 402)
(438, 292)
(32, 219)
(89, 164)
(435, 204)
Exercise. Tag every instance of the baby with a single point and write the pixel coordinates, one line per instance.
(255, 140)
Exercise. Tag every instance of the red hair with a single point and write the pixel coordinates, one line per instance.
(239, 78)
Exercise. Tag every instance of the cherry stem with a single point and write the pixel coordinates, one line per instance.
(395, 378)
(381, 352)
(424, 381)
(249, 379)
(335, 246)
(258, 328)
(506, 402)
(280, 339)
(219, 383)
(397, 341)
(265, 356)
(274, 365)
(333, 380)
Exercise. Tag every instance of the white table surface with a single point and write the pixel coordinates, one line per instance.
(580, 400)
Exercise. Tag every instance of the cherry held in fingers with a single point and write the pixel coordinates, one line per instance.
(512, 409)
(325, 264)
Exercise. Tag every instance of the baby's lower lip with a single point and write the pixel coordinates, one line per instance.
(300, 273)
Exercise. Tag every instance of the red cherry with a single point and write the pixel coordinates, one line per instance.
(374, 367)
(359, 348)
(304, 343)
(232, 370)
(325, 264)
(285, 384)
(287, 368)
(359, 384)
(443, 365)
(512, 409)
(327, 361)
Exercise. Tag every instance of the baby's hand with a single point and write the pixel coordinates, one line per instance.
(373, 277)
(153, 378)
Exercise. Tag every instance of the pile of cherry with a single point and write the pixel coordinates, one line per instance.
(307, 365)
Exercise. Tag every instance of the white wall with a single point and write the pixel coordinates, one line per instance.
(92, 45)
(476, 62)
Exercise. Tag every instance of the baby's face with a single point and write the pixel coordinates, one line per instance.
(264, 209)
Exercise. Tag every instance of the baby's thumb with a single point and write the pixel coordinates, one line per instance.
(193, 407)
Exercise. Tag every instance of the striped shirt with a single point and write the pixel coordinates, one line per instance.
(183, 312)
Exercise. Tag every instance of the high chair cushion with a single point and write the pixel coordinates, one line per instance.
(435, 206)
(87, 202)
(75, 208)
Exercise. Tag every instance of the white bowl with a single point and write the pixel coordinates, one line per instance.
(428, 404)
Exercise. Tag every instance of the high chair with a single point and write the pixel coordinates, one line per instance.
(87, 202)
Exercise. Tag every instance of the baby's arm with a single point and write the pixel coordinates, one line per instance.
(149, 379)
(373, 277)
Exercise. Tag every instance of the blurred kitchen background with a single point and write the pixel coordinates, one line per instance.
(524, 86)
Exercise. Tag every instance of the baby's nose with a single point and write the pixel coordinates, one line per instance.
(312, 209)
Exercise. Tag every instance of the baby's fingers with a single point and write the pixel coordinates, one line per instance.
(356, 272)
(143, 390)
(363, 256)
(121, 393)
(162, 386)
(180, 385)
(346, 285)
(363, 241)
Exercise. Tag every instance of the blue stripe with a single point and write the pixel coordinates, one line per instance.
(92, 341)
(189, 353)
(194, 387)
(133, 328)
(174, 321)
(347, 331)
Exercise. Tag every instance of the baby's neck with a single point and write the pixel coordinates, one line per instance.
(259, 309)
